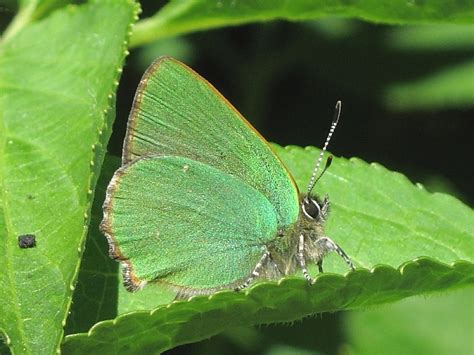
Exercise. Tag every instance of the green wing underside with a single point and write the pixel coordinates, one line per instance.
(188, 224)
(176, 112)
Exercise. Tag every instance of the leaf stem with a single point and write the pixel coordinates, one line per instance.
(22, 18)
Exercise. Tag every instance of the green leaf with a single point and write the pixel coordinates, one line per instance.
(380, 217)
(28, 11)
(55, 100)
(432, 37)
(447, 87)
(95, 297)
(442, 324)
(404, 240)
(440, 86)
(180, 17)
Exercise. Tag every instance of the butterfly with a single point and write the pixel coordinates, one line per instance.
(201, 202)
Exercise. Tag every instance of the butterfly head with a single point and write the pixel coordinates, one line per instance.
(314, 209)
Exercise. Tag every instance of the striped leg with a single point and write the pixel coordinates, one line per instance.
(326, 244)
(255, 273)
(302, 261)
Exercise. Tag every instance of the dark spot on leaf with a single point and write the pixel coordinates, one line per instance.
(27, 241)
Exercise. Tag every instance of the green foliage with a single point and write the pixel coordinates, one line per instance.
(404, 327)
(266, 302)
(59, 70)
(56, 112)
(290, 299)
(375, 211)
(445, 88)
(96, 293)
(179, 17)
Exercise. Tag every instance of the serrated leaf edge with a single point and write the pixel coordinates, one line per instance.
(248, 293)
(97, 152)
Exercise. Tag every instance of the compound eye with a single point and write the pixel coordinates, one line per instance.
(310, 208)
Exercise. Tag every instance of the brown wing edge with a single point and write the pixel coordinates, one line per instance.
(131, 282)
(138, 97)
(132, 118)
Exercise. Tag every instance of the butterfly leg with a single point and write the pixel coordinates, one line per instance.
(256, 271)
(326, 245)
(302, 261)
(320, 265)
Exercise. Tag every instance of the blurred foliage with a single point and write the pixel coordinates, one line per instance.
(440, 324)
(434, 325)
(180, 17)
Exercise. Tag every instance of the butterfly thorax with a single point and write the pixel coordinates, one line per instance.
(310, 224)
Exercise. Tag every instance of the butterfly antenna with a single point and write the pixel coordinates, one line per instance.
(314, 178)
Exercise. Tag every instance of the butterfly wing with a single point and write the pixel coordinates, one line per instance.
(177, 112)
(182, 222)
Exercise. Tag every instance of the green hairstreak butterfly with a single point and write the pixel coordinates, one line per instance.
(201, 202)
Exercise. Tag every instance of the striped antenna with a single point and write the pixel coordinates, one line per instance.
(314, 180)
